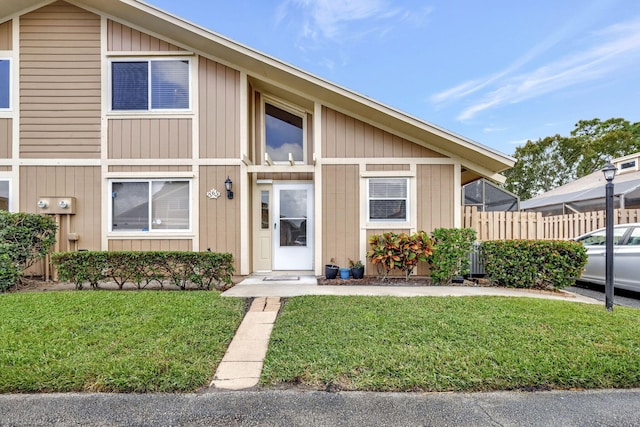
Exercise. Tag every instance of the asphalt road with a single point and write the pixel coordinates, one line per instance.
(620, 297)
(306, 408)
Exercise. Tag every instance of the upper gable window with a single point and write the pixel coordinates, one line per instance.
(284, 133)
(5, 84)
(149, 85)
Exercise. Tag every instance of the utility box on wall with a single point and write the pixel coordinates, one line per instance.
(56, 205)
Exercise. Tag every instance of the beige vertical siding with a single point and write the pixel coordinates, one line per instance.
(6, 138)
(344, 136)
(126, 39)
(60, 83)
(150, 245)
(220, 218)
(435, 196)
(81, 182)
(219, 110)
(340, 213)
(388, 168)
(284, 176)
(150, 168)
(6, 35)
(5, 168)
(150, 139)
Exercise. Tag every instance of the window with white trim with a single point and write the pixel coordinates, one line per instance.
(284, 133)
(388, 199)
(5, 84)
(4, 195)
(150, 205)
(150, 84)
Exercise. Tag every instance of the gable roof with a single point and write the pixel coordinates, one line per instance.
(477, 160)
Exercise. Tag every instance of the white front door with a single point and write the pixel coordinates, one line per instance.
(293, 226)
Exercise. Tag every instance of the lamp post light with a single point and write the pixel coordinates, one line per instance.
(609, 172)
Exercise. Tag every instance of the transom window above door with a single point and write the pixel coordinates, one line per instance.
(284, 133)
(150, 85)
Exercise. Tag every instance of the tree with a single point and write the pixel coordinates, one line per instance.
(553, 161)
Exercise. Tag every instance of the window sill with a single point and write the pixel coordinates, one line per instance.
(150, 235)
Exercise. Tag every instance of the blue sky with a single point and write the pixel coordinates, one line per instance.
(499, 72)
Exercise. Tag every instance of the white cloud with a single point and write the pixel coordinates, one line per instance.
(337, 20)
(612, 48)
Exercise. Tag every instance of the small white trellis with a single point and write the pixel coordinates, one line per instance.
(213, 193)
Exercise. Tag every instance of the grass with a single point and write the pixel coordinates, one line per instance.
(113, 341)
(452, 344)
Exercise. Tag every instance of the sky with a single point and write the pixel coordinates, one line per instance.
(499, 72)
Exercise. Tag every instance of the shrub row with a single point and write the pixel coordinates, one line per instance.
(450, 257)
(203, 270)
(24, 239)
(540, 264)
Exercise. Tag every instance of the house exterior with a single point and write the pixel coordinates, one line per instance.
(587, 194)
(126, 123)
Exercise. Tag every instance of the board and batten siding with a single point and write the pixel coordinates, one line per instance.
(60, 83)
(126, 39)
(81, 182)
(435, 204)
(150, 168)
(340, 214)
(6, 138)
(219, 218)
(219, 108)
(150, 139)
(6, 35)
(183, 245)
(347, 137)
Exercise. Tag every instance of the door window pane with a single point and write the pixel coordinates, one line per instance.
(264, 200)
(293, 218)
(284, 134)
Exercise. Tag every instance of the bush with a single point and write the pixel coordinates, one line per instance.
(202, 269)
(540, 264)
(9, 274)
(24, 239)
(450, 257)
(391, 251)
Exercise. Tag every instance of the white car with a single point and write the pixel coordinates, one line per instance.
(626, 256)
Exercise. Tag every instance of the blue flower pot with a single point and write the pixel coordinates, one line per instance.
(344, 273)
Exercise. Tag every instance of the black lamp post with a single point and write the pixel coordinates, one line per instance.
(609, 172)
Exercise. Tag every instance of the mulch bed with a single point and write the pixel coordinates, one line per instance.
(394, 281)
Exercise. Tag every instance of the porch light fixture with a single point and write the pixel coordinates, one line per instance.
(227, 186)
(609, 172)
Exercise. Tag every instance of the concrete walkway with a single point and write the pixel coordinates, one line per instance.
(241, 365)
(256, 286)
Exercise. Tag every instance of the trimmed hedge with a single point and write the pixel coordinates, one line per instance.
(542, 264)
(202, 269)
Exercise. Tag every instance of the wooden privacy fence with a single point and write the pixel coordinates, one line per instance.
(533, 226)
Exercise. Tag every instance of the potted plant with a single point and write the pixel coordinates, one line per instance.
(331, 270)
(357, 269)
(345, 272)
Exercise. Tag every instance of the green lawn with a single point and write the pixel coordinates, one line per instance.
(446, 344)
(113, 341)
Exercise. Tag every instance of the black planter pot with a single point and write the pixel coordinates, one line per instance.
(357, 272)
(331, 271)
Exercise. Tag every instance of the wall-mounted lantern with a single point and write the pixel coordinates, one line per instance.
(227, 185)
